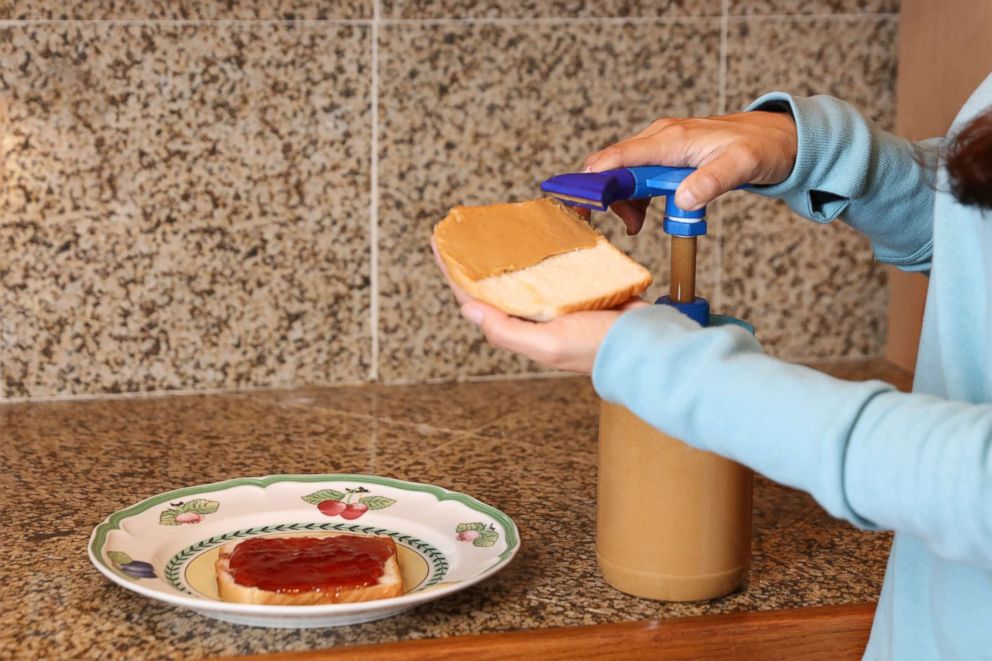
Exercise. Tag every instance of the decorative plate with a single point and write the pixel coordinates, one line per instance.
(165, 547)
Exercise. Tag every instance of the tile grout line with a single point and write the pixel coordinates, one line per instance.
(327, 410)
(172, 22)
(463, 435)
(508, 20)
(484, 378)
(722, 79)
(249, 390)
(549, 20)
(374, 198)
(722, 110)
(813, 17)
(3, 352)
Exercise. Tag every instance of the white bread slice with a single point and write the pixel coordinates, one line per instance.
(390, 585)
(592, 278)
(588, 279)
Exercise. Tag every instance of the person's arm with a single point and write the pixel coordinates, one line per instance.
(846, 167)
(867, 453)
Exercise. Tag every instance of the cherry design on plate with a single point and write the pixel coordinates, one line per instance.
(332, 502)
(354, 510)
(331, 507)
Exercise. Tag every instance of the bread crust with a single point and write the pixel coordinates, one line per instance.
(390, 585)
(606, 302)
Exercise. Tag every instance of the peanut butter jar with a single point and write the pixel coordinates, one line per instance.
(673, 522)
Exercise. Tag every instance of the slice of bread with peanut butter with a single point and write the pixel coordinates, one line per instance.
(536, 260)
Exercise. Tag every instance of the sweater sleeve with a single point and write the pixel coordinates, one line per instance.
(846, 167)
(868, 453)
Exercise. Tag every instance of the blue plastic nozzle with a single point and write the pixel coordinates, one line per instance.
(598, 190)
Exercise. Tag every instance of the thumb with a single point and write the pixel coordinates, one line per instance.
(724, 173)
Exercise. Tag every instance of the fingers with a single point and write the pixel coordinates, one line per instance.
(667, 141)
(655, 126)
(727, 170)
(502, 330)
(632, 213)
(650, 150)
(569, 342)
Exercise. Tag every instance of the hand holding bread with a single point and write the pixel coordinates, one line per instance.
(587, 277)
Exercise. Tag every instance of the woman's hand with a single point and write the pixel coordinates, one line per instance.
(728, 151)
(569, 342)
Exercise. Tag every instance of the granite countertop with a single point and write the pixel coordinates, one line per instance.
(527, 447)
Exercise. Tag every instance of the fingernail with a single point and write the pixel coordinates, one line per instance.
(473, 314)
(586, 170)
(687, 202)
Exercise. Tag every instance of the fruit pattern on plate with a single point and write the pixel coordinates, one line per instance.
(332, 502)
(478, 533)
(131, 568)
(191, 511)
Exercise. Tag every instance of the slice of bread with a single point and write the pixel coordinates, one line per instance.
(390, 584)
(575, 269)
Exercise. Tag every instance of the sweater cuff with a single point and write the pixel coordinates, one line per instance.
(621, 351)
(832, 147)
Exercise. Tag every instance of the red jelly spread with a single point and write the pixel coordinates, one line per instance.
(305, 564)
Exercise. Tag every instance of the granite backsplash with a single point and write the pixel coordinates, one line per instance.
(227, 195)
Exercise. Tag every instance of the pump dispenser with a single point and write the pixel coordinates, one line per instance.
(673, 522)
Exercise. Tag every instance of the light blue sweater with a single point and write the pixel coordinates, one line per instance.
(919, 464)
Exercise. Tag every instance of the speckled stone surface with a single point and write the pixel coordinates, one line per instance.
(812, 6)
(32, 10)
(186, 191)
(408, 9)
(526, 446)
(184, 206)
(479, 113)
(850, 58)
(283, 10)
(810, 290)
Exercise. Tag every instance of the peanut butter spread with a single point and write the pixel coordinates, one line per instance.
(498, 238)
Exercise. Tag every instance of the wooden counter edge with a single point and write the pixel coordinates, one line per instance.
(830, 632)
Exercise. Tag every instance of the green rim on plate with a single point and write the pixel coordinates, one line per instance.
(114, 520)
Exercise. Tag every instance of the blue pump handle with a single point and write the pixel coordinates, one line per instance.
(656, 180)
(651, 180)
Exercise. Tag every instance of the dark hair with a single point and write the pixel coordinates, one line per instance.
(969, 162)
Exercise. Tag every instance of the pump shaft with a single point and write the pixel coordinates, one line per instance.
(683, 280)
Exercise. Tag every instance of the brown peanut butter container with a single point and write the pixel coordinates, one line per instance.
(673, 522)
